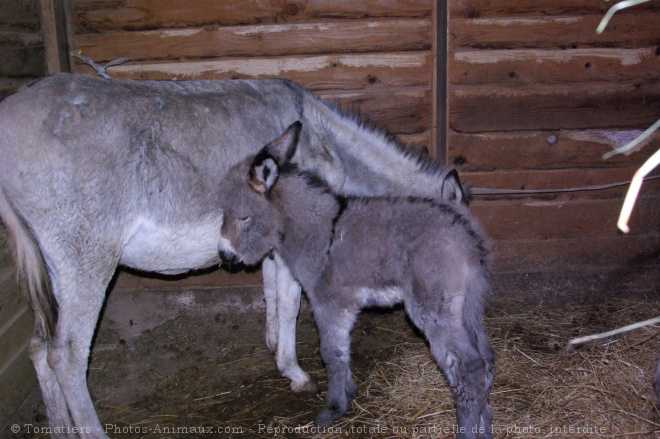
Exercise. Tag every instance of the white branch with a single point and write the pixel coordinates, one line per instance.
(585, 339)
(616, 8)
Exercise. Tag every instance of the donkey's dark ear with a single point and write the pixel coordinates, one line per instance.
(453, 190)
(284, 147)
(266, 165)
(263, 173)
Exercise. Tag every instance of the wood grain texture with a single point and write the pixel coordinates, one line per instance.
(521, 67)
(54, 26)
(22, 60)
(91, 16)
(558, 255)
(324, 72)
(534, 150)
(557, 180)
(259, 40)
(20, 16)
(484, 108)
(571, 32)
(541, 220)
(501, 8)
(400, 112)
(128, 281)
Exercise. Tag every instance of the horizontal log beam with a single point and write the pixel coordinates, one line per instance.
(560, 179)
(92, 16)
(509, 256)
(404, 111)
(259, 40)
(481, 108)
(523, 256)
(324, 72)
(501, 8)
(513, 220)
(534, 66)
(532, 150)
(572, 32)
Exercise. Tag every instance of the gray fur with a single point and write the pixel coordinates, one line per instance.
(656, 384)
(95, 173)
(362, 252)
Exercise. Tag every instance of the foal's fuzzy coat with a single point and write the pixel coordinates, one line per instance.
(360, 252)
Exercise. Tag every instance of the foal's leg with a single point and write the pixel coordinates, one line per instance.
(465, 357)
(288, 306)
(334, 327)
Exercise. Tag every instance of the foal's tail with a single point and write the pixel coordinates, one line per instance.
(33, 274)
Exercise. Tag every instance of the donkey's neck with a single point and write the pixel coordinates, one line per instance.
(309, 213)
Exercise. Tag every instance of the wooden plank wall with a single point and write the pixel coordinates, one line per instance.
(21, 44)
(21, 60)
(535, 98)
(373, 55)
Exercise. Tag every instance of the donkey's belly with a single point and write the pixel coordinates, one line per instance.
(171, 250)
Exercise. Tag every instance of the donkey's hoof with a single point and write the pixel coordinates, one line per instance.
(271, 345)
(305, 389)
(326, 417)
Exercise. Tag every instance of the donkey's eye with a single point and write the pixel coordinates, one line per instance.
(243, 219)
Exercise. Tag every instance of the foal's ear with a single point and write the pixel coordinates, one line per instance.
(284, 147)
(263, 174)
(265, 167)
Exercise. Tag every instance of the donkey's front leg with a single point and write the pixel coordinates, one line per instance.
(334, 331)
(269, 272)
(288, 306)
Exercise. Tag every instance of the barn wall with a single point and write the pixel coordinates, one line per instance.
(375, 56)
(21, 44)
(535, 98)
(21, 60)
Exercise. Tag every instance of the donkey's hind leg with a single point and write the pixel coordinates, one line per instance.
(465, 357)
(80, 296)
(56, 407)
(334, 325)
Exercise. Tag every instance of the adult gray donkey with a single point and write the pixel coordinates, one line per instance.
(95, 173)
(356, 252)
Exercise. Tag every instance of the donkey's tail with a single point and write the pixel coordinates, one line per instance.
(33, 274)
(478, 293)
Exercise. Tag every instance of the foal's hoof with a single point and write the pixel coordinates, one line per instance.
(326, 417)
(306, 389)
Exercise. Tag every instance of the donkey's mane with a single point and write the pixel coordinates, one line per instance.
(419, 157)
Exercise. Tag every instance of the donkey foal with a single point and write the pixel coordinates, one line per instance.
(360, 252)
